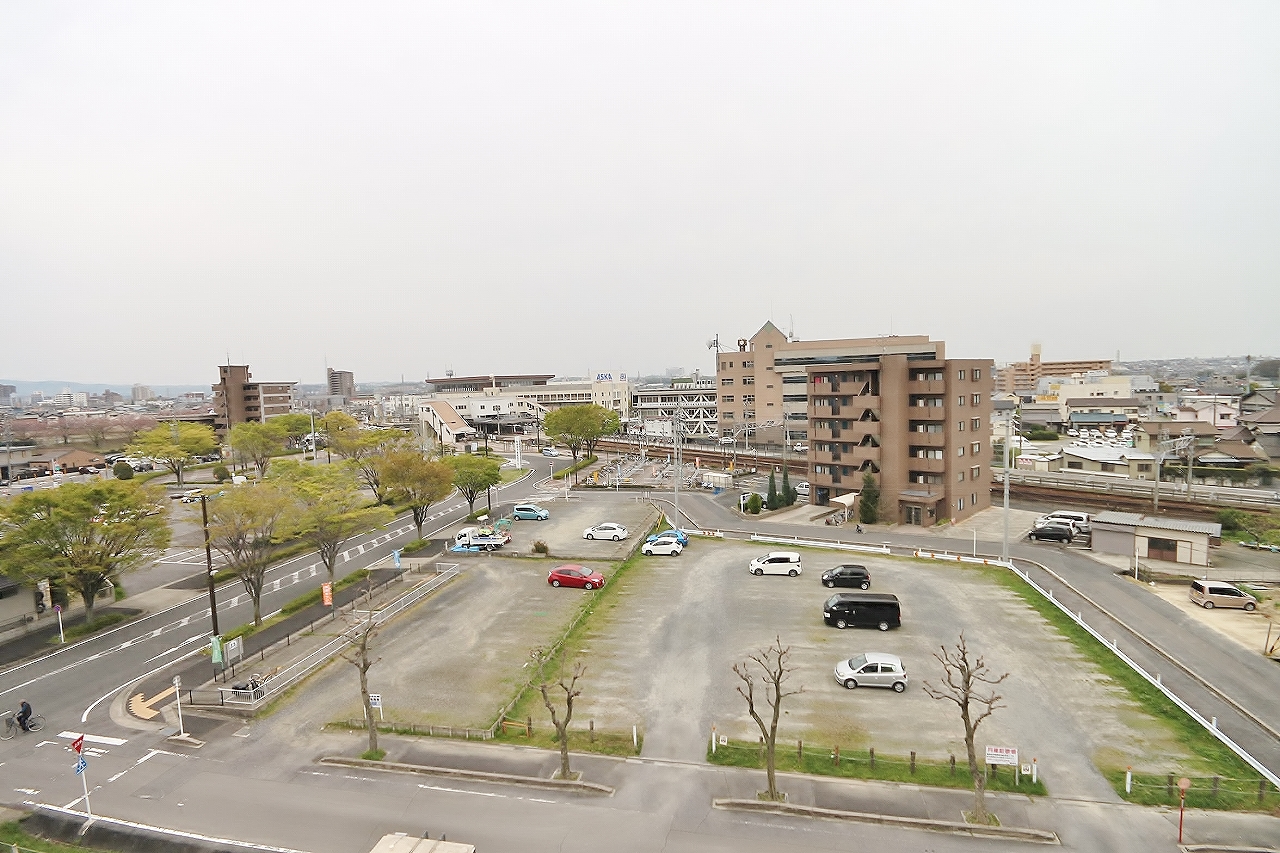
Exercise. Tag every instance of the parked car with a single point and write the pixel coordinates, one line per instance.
(777, 563)
(671, 531)
(727, 439)
(1056, 532)
(666, 545)
(873, 669)
(802, 489)
(800, 447)
(575, 576)
(529, 512)
(1079, 521)
(847, 575)
(863, 610)
(550, 451)
(1211, 594)
(606, 530)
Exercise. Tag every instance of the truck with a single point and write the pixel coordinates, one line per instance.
(480, 539)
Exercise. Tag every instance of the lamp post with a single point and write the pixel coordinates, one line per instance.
(488, 492)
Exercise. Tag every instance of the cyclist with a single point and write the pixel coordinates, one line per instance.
(24, 714)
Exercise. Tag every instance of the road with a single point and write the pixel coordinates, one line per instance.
(263, 785)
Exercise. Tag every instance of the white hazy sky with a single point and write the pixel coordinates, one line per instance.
(572, 188)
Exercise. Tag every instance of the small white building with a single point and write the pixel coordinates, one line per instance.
(1175, 540)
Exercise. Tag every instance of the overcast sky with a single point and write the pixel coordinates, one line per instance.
(603, 187)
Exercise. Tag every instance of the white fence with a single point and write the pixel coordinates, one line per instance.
(821, 543)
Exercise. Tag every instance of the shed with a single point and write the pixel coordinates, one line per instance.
(1176, 540)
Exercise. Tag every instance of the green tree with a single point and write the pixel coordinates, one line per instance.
(771, 500)
(753, 504)
(328, 507)
(365, 449)
(788, 496)
(242, 527)
(869, 500)
(122, 471)
(294, 426)
(174, 444)
(412, 480)
(83, 535)
(581, 427)
(257, 442)
(473, 475)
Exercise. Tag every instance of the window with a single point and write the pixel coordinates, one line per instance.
(973, 499)
(748, 364)
(726, 381)
(960, 504)
(960, 451)
(960, 479)
(748, 398)
(748, 380)
(960, 424)
(961, 376)
(977, 424)
(1144, 467)
(959, 401)
(727, 398)
(977, 374)
(728, 416)
(977, 399)
(976, 448)
(974, 472)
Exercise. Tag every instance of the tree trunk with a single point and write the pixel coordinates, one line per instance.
(979, 781)
(770, 764)
(563, 734)
(364, 697)
(89, 599)
(177, 470)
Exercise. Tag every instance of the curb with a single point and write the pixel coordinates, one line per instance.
(75, 827)
(1223, 848)
(476, 775)
(1037, 836)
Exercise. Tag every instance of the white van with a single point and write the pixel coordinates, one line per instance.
(1078, 520)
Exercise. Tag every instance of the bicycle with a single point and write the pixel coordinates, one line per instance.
(11, 727)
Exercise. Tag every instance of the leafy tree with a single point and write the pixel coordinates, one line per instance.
(410, 479)
(257, 442)
(569, 689)
(221, 474)
(85, 535)
(869, 500)
(473, 475)
(775, 664)
(242, 527)
(294, 426)
(122, 471)
(963, 681)
(771, 500)
(581, 427)
(1269, 368)
(788, 496)
(328, 507)
(365, 448)
(174, 444)
(753, 504)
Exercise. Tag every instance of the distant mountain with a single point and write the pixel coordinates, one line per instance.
(50, 387)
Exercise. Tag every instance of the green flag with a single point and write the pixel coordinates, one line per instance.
(215, 648)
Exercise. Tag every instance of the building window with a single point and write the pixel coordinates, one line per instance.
(960, 424)
(960, 478)
(973, 499)
(976, 448)
(748, 398)
(726, 381)
(977, 374)
(977, 424)
(748, 380)
(961, 376)
(959, 451)
(974, 472)
(960, 504)
(748, 364)
(1144, 467)
(727, 398)
(960, 400)
(977, 399)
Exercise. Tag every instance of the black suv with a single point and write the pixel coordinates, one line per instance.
(1055, 532)
(849, 575)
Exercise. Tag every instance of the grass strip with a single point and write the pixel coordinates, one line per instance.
(301, 602)
(12, 834)
(1212, 757)
(75, 632)
(857, 765)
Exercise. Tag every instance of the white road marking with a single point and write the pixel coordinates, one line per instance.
(186, 642)
(137, 678)
(460, 791)
(31, 791)
(109, 741)
(151, 753)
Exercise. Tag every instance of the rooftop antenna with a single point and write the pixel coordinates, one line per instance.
(791, 327)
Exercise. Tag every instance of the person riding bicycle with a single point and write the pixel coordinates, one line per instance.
(24, 714)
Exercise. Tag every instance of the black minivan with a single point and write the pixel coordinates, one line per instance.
(847, 575)
(863, 610)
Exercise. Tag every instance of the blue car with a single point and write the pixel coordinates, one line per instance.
(529, 512)
(678, 534)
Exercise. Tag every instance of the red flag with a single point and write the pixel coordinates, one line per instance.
(78, 744)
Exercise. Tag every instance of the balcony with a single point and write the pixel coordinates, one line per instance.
(928, 466)
(927, 439)
(927, 413)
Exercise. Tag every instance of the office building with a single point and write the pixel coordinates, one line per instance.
(237, 399)
(894, 407)
(342, 383)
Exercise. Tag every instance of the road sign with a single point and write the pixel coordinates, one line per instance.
(81, 765)
(326, 593)
(232, 649)
(1002, 755)
(78, 744)
(57, 608)
(375, 700)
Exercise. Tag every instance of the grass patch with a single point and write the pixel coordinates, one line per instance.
(12, 833)
(300, 603)
(574, 468)
(75, 632)
(373, 754)
(857, 765)
(1234, 794)
(1211, 756)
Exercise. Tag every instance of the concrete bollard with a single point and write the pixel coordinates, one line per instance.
(873, 758)
(953, 765)
(1128, 780)
(913, 762)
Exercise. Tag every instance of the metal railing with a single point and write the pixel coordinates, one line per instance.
(1106, 483)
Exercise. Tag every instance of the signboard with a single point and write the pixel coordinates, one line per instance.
(1002, 755)
(326, 593)
(233, 649)
(81, 765)
(78, 744)
(375, 700)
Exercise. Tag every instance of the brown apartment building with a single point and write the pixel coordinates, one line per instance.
(237, 399)
(895, 407)
(1021, 377)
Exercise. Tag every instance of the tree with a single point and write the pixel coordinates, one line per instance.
(568, 686)
(96, 430)
(242, 527)
(122, 470)
(412, 480)
(174, 444)
(359, 657)
(753, 504)
(257, 442)
(581, 427)
(771, 500)
(473, 475)
(293, 426)
(84, 535)
(328, 507)
(64, 426)
(130, 425)
(775, 663)
(788, 496)
(968, 684)
(364, 448)
(869, 500)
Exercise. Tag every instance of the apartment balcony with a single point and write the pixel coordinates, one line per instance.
(927, 413)
(927, 439)
(928, 466)
(927, 386)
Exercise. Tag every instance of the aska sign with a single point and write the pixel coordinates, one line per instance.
(608, 377)
(1002, 755)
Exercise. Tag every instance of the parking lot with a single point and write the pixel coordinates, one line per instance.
(660, 648)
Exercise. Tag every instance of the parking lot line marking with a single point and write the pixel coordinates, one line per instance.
(461, 791)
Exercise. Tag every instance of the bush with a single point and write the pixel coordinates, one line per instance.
(373, 754)
(753, 504)
(415, 545)
(122, 471)
(221, 474)
(575, 467)
(1041, 435)
(540, 547)
(869, 502)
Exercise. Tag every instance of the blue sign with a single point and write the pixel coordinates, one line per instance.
(81, 765)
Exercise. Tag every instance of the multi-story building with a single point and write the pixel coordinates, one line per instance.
(342, 383)
(237, 399)
(141, 394)
(1021, 377)
(893, 407)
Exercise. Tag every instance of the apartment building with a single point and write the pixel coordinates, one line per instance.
(895, 407)
(1021, 377)
(237, 399)
(342, 383)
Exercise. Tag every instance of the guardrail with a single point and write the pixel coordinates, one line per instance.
(1103, 483)
(961, 558)
(821, 543)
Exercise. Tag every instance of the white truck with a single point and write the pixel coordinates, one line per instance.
(480, 539)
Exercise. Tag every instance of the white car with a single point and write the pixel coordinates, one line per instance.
(550, 451)
(607, 530)
(800, 447)
(666, 545)
(776, 563)
(872, 669)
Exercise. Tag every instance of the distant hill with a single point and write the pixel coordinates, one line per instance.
(49, 387)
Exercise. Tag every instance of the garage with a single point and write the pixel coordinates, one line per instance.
(1173, 540)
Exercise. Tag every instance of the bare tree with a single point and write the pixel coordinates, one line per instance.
(359, 657)
(775, 662)
(568, 685)
(969, 684)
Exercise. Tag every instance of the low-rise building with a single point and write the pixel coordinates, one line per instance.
(1144, 537)
(1123, 461)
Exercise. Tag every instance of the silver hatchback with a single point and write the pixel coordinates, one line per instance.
(872, 669)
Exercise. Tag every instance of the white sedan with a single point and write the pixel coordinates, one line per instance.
(607, 530)
(667, 545)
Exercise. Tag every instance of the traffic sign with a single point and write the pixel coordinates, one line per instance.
(78, 744)
(81, 765)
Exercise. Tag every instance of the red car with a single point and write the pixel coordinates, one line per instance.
(578, 576)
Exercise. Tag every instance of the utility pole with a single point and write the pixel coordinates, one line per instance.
(1008, 439)
(208, 564)
(677, 424)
